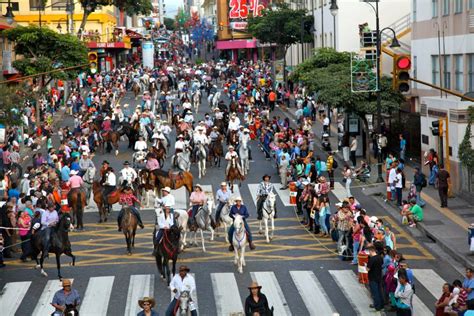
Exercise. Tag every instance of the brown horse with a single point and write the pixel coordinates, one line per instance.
(216, 151)
(174, 180)
(113, 198)
(136, 89)
(129, 227)
(77, 201)
(159, 151)
(113, 138)
(234, 174)
(233, 138)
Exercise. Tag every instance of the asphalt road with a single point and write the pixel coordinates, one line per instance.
(301, 274)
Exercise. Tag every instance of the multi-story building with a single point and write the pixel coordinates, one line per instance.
(8, 55)
(443, 55)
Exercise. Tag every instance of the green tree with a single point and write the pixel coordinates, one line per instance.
(10, 105)
(130, 7)
(466, 152)
(169, 23)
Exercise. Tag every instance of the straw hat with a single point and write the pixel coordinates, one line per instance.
(198, 186)
(254, 285)
(66, 282)
(223, 184)
(166, 189)
(147, 299)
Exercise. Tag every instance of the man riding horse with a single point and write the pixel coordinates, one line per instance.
(264, 188)
(239, 209)
(231, 155)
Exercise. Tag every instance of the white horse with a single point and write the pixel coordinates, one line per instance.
(268, 212)
(239, 240)
(203, 223)
(184, 308)
(196, 99)
(88, 179)
(225, 219)
(215, 99)
(183, 160)
(201, 157)
(244, 157)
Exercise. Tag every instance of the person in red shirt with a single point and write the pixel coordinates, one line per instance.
(127, 198)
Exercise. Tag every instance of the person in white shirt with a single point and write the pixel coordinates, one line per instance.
(353, 149)
(232, 154)
(110, 183)
(165, 220)
(179, 144)
(140, 144)
(326, 123)
(234, 122)
(128, 174)
(399, 186)
(166, 130)
(182, 282)
(187, 105)
(392, 175)
(167, 198)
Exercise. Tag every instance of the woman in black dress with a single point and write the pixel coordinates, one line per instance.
(257, 303)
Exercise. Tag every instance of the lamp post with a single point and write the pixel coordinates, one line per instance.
(9, 14)
(334, 9)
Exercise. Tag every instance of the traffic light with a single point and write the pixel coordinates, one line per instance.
(401, 73)
(93, 62)
(437, 128)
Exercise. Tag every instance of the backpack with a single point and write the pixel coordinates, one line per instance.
(334, 164)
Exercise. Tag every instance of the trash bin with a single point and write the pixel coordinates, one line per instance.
(293, 192)
(470, 236)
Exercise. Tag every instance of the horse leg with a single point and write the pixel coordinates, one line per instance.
(266, 231)
(273, 226)
(43, 273)
(260, 227)
(129, 242)
(58, 265)
(68, 253)
(159, 263)
(212, 233)
(202, 241)
(242, 256)
(236, 256)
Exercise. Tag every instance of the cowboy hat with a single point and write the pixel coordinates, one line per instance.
(198, 186)
(238, 198)
(126, 105)
(146, 300)
(137, 110)
(254, 285)
(66, 282)
(223, 183)
(180, 136)
(184, 268)
(73, 172)
(266, 176)
(231, 147)
(105, 162)
(107, 118)
(126, 163)
(166, 189)
(215, 127)
(246, 130)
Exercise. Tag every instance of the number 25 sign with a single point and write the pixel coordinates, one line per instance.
(239, 9)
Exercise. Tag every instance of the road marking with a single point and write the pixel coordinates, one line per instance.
(445, 211)
(430, 280)
(193, 295)
(141, 285)
(98, 287)
(419, 308)
(314, 296)
(44, 307)
(253, 188)
(226, 294)
(12, 295)
(273, 291)
(283, 194)
(355, 292)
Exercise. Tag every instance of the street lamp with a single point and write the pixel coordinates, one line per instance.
(59, 27)
(334, 9)
(9, 14)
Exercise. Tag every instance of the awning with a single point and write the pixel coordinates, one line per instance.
(236, 44)
(133, 35)
(113, 45)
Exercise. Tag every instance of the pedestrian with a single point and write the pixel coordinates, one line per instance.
(403, 146)
(432, 162)
(403, 296)
(345, 146)
(347, 179)
(374, 267)
(147, 304)
(443, 181)
(344, 222)
(283, 171)
(24, 224)
(399, 186)
(383, 142)
(419, 180)
(468, 285)
(256, 303)
(353, 149)
(331, 164)
(443, 301)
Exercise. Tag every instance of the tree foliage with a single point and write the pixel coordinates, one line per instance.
(169, 23)
(10, 105)
(44, 50)
(328, 74)
(466, 152)
(281, 26)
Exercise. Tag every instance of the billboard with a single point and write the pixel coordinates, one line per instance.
(232, 17)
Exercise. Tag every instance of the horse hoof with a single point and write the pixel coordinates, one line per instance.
(129, 254)
(44, 274)
(37, 266)
(100, 221)
(259, 232)
(105, 220)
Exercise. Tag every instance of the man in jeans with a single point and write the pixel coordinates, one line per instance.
(344, 222)
(374, 266)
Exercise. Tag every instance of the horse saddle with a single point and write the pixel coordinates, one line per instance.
(104, 134)
(175, 176)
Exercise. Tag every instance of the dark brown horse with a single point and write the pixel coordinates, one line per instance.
(77, 201)
(129, 227)
(108, 138)
(216, 151)
(136, 89)
(167, 250)
(234, 174)
(232, 138)
(160, 152)
(113, 198)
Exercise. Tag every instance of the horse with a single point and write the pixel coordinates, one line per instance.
(131, 132)
(160, 151)
(113, 138)
(268, 212)
(183, 160)
(215, 99)
(244, 157)
(184, 301)
(77, 201)
(59, 244)
(203, 222)
(196, 99)
(136, 89)
(233, 138)
(167, 250)
(225, 219)
(147, 182)
(181, 218)
(234, 174)
(175, 180)
(216, 151)
(129, 227)
(113, 198)
(88, 179)
(201, 157)
(239, 241)
(71, 310)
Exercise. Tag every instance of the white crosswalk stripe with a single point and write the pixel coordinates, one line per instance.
(11, 296)
(314, 297)
(43, 307)
(140, 286)
(273, 291)
(228, 294)
(97, 287)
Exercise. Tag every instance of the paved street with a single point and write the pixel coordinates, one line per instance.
(300, 274)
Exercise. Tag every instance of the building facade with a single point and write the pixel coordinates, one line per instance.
(7, 55)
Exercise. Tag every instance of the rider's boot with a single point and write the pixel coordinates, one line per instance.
(251, 245)
(231, 247)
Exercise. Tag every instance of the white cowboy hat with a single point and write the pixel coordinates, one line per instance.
(126, 105)
(73, 172)
(146, 92)
(231, 147)
(238, 198)
(180, 136)
(198, 186)
(117, 106)
(167, 189)
(107, 118)
(234, 115)
(223, 183)
(246, 130)
(137, 110)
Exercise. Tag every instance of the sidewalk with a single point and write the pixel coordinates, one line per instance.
(448, 227)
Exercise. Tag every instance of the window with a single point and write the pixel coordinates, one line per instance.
(447, 72)
(435, 69)
(35, 5)
(59, 5)
(470, 73)
(458, 6)
(414, 10)
(471, 4)
(446, 4)
(459, 73)
(434, 8)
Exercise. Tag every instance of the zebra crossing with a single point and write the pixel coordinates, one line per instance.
(314, 289)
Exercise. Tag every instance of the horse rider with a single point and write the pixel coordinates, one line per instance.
(103, 169)
(75, 182)
(166, 130)
(179, 146)
(135, 116)
(110, 183)
(239, 209)
(49, 219)
(140, 145)
(152, 163)
(66, 296)
(208, 121)
(106, 126)
(200, 137)
(165, 220)
(244, 136)
(128, 174)
(167, 198)
(127, 198)
(232, 154)
(85, 163)
(222, 198)
(234, 123)
(214, 134)
(197, 198)
(264, 188)
(182, 282)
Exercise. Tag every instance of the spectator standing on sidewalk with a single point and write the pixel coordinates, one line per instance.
(374, 266)
(419, 180)
(330, 165)
(347, 174)
(353, 150)
(443, 181)
(399, 186)
(326, 123)
(345, 147)
(468, 285)
(403, 146)
(383, 142)
(432, 162)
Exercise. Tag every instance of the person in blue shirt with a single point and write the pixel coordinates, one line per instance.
(468, 285)
(240, 209)
(403, 145)
(65, 171)
(75, 164)
(13, 192)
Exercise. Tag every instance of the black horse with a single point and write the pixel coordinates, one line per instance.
(71, 310)
(167, 250)
(132, 133)
(59, 243)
